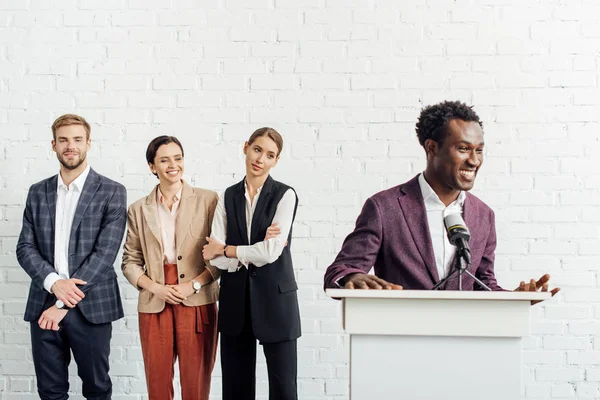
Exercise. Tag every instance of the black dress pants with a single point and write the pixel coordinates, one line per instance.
(90, 344)
(238, 365)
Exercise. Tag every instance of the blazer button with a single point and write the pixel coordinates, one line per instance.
(182, 276)
(253, 273)
(179, 257)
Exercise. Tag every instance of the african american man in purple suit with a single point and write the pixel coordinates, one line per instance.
(400, 231)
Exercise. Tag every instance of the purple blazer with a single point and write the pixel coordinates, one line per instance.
(392, 235)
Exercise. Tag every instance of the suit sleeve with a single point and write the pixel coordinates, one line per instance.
(99, 263)
(485, 272)
(214, 271)
(28, 253)
(360, 248)
(133, 256)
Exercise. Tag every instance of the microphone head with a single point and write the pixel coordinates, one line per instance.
(456, 228)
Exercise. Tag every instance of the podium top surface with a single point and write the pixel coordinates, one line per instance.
(437, 295)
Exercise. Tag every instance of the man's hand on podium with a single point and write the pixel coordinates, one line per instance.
(540, 286)
(366, 281)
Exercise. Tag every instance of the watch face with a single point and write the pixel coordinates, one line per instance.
(197, 286)
(59, 304)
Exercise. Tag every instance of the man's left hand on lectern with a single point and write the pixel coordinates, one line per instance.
(540, 285)
(367, 281)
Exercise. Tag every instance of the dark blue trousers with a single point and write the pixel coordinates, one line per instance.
(90, 344)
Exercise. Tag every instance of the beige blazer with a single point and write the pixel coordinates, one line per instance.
(143, 251)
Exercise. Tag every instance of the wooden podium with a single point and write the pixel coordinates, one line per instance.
(435, 345)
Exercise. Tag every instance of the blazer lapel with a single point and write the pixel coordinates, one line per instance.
(185, 214)
(90, 187)
(471, 218)
(413, 208)
(151, 215)
(51, 188)
(240, 211)
(263, 200)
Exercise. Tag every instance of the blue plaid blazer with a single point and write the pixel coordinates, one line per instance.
(96, 236)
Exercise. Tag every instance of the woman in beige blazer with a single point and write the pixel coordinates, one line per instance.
(178, 290)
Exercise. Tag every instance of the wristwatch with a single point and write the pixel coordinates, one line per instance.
(197, 286)
(59, 304)
(225, 251)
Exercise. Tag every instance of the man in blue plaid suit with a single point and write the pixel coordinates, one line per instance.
(73, 226)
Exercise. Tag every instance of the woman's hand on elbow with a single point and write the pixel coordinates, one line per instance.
(212, 249)
(272, 231)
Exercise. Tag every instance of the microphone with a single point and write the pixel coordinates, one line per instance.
(458, 235)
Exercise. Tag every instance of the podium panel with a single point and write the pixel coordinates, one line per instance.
(429, 345)
(434, 367)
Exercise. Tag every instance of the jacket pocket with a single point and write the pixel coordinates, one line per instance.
(288, 286)
(198, 228)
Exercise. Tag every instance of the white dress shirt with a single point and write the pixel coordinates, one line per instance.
(436, 211)
(168, 219)
(67, 199)
(260, 253)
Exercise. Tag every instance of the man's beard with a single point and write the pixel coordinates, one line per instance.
(72, 166)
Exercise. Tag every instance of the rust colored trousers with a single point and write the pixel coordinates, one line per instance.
(188, 334)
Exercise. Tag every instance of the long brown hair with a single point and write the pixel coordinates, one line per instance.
(271, 133)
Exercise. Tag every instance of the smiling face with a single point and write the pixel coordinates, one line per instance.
(71, 145)
(168, 163)
(261, 155)
(452, 166)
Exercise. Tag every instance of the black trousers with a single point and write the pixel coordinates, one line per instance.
(90, 344)
(238, 365)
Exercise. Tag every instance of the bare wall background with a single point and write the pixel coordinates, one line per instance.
(343, 81)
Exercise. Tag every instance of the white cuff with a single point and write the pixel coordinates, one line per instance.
(50, 280)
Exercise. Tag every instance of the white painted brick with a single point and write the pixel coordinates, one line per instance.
(273, 82)
(225, 50)
(313, 115)
(563, 391)
(273, 49)
(544, 62)
(344, 81)
(324, 82)
(587, 390)
(226, 83)
(559, 374)
(130, 51)
(572, 79)
(127, 83)
(300, 33)
(322, 49)
(175, 83)
(353, 33)
(537, 391)
(362, 82)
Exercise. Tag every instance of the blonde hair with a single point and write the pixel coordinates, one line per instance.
(70, 119)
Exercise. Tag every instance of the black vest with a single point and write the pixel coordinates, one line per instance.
(272, 288)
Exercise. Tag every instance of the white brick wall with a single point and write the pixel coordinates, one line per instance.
(343, 81)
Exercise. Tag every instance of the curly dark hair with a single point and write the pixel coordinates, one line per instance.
(434, 119)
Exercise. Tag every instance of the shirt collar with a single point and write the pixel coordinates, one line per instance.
(78, 183)
(161, 198)
(431, 197)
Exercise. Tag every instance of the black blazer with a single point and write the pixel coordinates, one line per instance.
(272, 288)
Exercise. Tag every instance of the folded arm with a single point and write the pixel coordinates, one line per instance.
(267, 251)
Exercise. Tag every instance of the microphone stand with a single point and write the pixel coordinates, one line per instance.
(461, 269)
